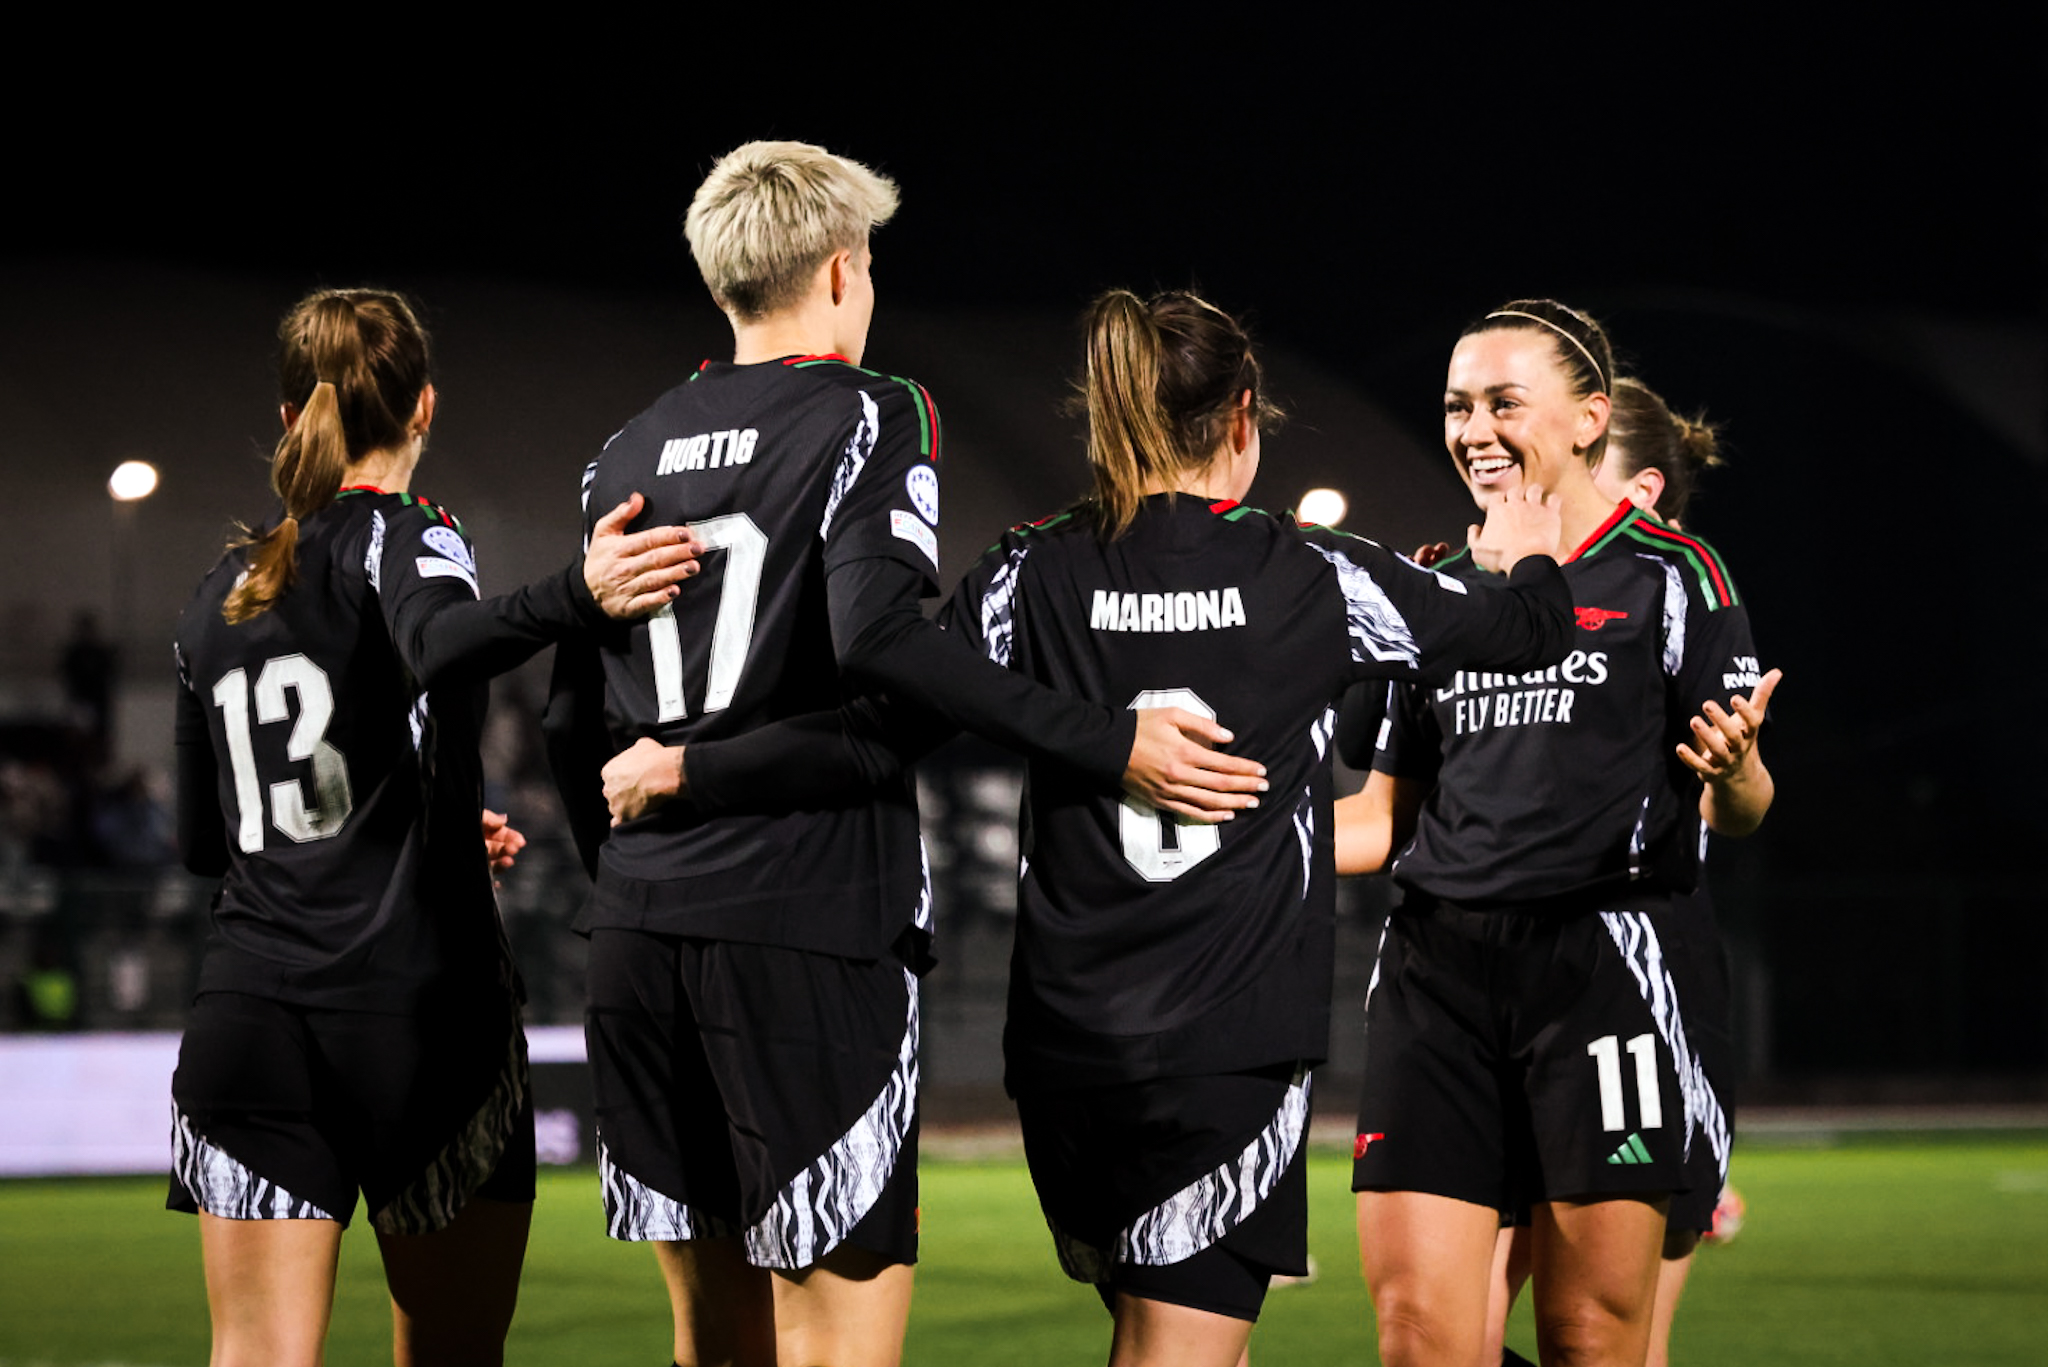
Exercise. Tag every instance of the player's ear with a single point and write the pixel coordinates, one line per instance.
(289, 414)
(1593, 420)
(1646, 488)
(423, 413)
(840, 269)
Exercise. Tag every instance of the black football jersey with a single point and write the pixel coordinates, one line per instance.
(786, 470)
(337, 732)
(1151, 947)
(1565, 782)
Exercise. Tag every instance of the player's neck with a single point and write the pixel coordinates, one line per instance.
(1581, 509)
(800, 331)
(388, 471)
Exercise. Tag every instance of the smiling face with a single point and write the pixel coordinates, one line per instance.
(1511, 418)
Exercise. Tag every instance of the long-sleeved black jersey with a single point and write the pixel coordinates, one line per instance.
(1565, 784)
(1150, 947)
(328, 757)
(814, 483)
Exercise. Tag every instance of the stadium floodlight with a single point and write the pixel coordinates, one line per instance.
(1324, 507)
(132, 480)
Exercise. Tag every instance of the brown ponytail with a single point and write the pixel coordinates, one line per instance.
(1165, 378)
(353, 363)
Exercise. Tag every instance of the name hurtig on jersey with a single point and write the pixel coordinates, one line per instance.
(707, 451)
(1480, 700)
(1201, 610)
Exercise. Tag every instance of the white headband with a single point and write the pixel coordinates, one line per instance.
(1600, 374)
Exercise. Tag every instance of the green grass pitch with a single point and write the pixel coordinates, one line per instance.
(1877, 1251)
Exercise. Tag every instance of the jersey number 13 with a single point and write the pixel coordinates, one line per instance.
(289, 811)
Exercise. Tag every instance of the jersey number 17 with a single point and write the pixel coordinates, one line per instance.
(746, 551)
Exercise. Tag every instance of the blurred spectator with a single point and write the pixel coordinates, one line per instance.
(131, 823)
(88, 669)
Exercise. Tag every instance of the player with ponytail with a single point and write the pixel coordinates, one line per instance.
(356, 1022)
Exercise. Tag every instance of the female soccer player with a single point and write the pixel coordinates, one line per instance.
(356, 1025)
(1555, 818)
(1654, 459)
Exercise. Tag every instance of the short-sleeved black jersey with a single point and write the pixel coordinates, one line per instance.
(337, 732)
(1147, 947)
(1566, 783)
(787, 470)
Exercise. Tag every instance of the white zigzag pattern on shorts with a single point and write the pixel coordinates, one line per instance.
(1206, 1209)
(223, 1187)
(439, 1193)
(636, 1212)
(1636, 938)
(821, 1204)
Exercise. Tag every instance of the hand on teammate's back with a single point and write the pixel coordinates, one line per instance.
(633, 574)
(1175, 767)
(1525, 522)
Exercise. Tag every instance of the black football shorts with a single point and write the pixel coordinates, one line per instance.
(283, 1112)
(1187, 1190)
(1513, 1058)
(753, 1092)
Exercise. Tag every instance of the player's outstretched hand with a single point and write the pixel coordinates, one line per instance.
(502, 843)
(1525, 522)
(1175, 767)
(639, 779)
(1724, 740)
(633, 574)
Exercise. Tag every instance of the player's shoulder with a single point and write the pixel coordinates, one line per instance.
(1330, 539)
(1076, 520)
(837, 370)
(375, 529)
(202, 610)
(1348, 553)
(894, 396)
(399, 510)
(1631, 532)
(802, 390)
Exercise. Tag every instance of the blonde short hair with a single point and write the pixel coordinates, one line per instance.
(770, 212)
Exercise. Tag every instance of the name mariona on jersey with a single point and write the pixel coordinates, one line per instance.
(1200, 610)
(707, 450)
